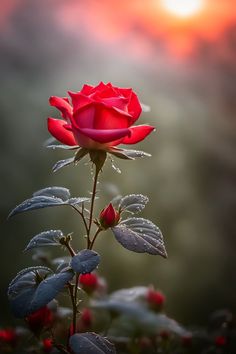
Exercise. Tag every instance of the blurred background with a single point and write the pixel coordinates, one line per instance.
(180, 58)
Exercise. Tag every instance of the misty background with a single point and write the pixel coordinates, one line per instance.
(49, 47)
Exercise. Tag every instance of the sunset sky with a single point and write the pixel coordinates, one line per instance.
(160, 20)
(173, 22)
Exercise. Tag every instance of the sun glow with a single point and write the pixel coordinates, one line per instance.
(182, 8)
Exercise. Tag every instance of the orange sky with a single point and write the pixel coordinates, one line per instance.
(112, 20)
(116, 20)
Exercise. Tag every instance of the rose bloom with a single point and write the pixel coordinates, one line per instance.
(98, 118)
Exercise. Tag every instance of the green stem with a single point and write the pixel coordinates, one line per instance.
(74, 306)
(92, 203)
(76, 292)
(82, 216)
(94, 238)
(70, 249)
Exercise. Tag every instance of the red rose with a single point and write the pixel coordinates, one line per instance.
(42, 318)
(98, 117)
(109, 216)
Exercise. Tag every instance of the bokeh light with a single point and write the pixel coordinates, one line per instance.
(182, 8)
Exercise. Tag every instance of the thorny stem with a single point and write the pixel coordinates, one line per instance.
(73, 290)
(81, 213)
(74, 306)
(76, 292)
(94, 238)
(70, 249)
(92, 204)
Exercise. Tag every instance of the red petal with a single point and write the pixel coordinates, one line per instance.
(134, 107)
(63, 105)
(87, 89)
(98, 116)
(110, 118)
(126, 92)
(138, 133)
(57, 129)
(100, 87)
(79, 100)
(104, 136)
(116, 102)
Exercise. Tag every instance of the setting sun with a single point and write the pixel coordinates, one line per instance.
(182, 8)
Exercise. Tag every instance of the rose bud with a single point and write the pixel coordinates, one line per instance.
(144, 343)
(8, 336)
(40, 319)
(98, 118)
(85, 321)
(88, 282)
(155, 299)
(47, 345)
(165, 335)
(220, 341)
(109, 217)
(187, 340)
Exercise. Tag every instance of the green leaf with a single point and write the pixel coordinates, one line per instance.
(80, 154)
(85, 261)
(62, 163)
(47, 197)
(127, 154)
(34, 288)
(46, 238)
(90, 343)
(140, 235)
(133, 203)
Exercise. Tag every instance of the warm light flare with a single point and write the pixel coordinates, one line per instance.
(182, 8)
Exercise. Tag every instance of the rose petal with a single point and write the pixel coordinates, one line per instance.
(84, 117)
(126, 92)
(100, 87)
(104, 136)
(79, 100)
(57, 128)
(98, 116)
(134, 107)
(63, 105)
(110, 118)
(138, 133)
(87, 89)
(117, 102)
